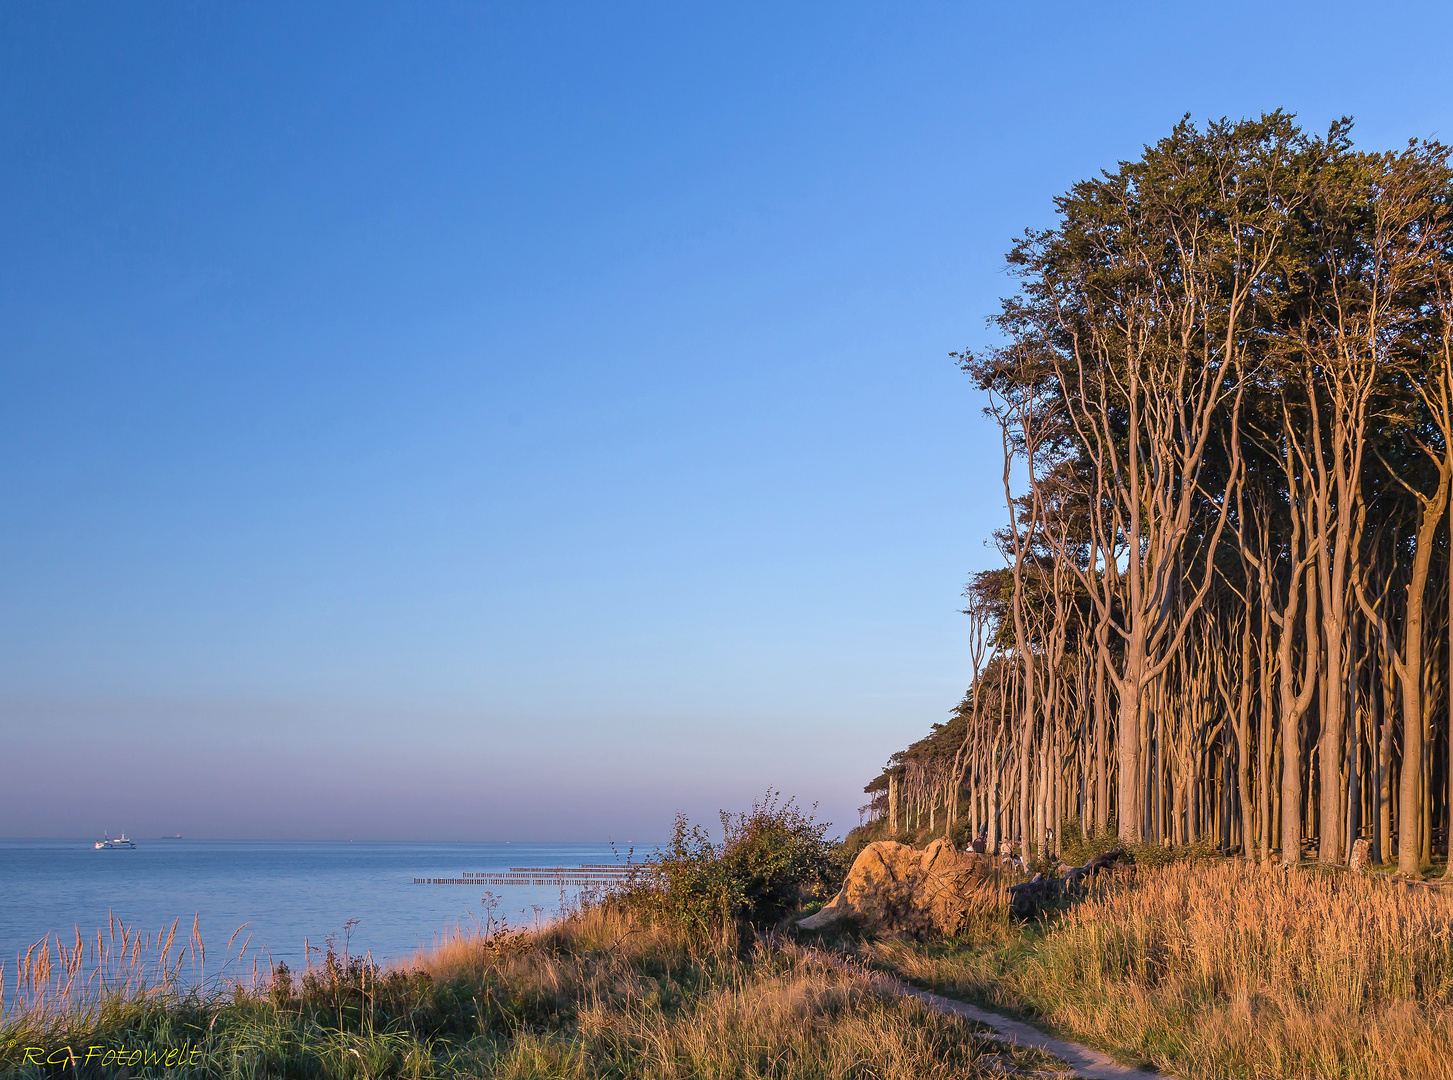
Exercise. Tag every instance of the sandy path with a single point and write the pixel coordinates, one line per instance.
(1083, 1060)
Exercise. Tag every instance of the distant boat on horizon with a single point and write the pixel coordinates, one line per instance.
(108, 844)
(173, 836)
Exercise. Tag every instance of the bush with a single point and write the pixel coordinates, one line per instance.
(962, 834)
(1077, 848)
(768, 863)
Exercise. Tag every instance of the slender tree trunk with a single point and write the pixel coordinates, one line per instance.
(893, 804)
(1293, 709)
(1243, 736)
(1102, 772)
(1448, 776)
(1410, 677)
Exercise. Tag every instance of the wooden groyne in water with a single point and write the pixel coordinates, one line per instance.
(584, 874)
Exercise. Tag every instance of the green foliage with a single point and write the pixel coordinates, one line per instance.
(1078, 848)
(1148, 853)
(962, 834)
(688, 886)
(343, 1021)
(768, 863)
(780, 856)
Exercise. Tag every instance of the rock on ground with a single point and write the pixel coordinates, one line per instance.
(894, 889)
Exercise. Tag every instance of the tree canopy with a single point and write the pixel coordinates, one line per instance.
(1226, 375)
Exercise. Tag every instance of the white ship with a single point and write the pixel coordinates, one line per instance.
(109, 844)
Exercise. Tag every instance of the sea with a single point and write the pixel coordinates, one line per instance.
(278, 897)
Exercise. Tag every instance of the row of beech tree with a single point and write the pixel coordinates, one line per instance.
(1225, 396)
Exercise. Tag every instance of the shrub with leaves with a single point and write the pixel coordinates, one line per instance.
(769, 861)
(779, 857)
(1077, 848)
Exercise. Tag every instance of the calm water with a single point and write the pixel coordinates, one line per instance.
(284, 891)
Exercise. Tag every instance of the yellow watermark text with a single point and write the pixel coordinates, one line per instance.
(166, 1057)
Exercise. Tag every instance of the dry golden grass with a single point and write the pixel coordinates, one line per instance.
(61, 981)
(1228, 970)
(599, 994)
(649, 1001)
(782, 1016)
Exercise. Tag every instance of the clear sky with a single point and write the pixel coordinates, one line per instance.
(528, 420)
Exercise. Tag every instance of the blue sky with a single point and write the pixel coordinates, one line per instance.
(489, 421)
